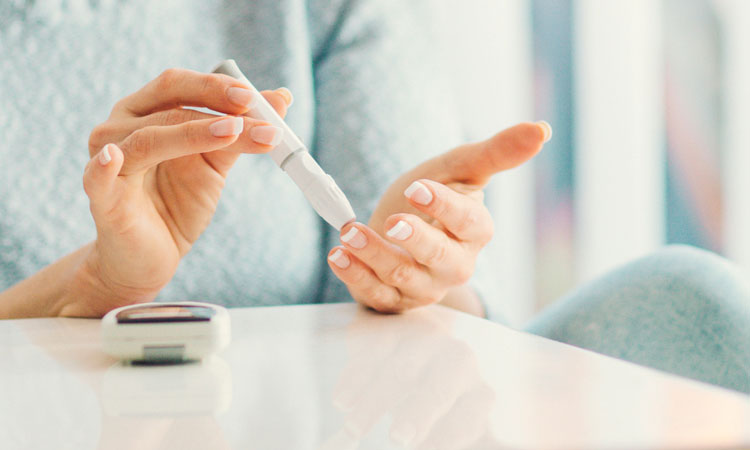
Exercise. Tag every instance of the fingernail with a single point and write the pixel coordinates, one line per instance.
(403, 433)
(266, 134)
(400, 231)
(355, 238)
(240, 96)
(547, 130)
(340, 259)
(287, 94)
(419, 193)
(228, 126)
(104, 156)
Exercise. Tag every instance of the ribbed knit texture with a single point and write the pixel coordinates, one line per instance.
(361, 73)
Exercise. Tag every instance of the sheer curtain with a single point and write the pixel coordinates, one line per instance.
(649, 102)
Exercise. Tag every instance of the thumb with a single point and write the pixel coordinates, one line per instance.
(100, 176)
(475, 163)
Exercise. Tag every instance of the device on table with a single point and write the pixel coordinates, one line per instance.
(165, 332)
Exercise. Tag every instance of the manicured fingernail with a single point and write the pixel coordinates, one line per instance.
(240, 96)
(287, 94)
(267, 134)
(104, 156)
(340, 259)
(547, 130)
(400, 231)
(355, 238)
(228, 126)
(403, 433)
(419, 193)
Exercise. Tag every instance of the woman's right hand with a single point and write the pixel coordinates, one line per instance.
(154, 180)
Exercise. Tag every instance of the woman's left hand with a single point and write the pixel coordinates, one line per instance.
(425, 234)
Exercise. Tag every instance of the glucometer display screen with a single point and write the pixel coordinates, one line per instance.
(165, 313)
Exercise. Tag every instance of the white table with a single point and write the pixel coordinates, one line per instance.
(341, 377)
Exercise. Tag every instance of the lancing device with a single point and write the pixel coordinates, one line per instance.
(292, 156)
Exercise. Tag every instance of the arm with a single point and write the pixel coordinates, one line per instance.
(44, 293)
(154, 179)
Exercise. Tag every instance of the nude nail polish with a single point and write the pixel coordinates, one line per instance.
(547, 130)
(266, 134)
(287, 94)
(340, 259)
(419, 193)
(401, 231)
(240, 96)
(104, 155)
(228, 126)
(355, 238)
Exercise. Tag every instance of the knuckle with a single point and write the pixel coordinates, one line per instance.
(99, 136)
(441, 209)
(168, 78)
(211, 83)
(193, 134)
(436, 256)
(469, 219)
(357, 278)
(140, 143)
(120, 105)
(400, 275)
(171, 117)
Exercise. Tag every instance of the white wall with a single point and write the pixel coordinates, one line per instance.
(736, 133)
(619, 164)
(489, 44)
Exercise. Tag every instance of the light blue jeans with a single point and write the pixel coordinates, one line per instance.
(680, 310)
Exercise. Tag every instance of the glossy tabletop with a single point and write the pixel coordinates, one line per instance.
(341, 377)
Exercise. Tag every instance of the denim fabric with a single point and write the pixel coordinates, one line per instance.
(680, 310)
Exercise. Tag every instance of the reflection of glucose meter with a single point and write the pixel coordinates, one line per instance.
(167, 390)
(165, 332)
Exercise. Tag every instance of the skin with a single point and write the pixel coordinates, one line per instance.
(156, 174)
(434, 263)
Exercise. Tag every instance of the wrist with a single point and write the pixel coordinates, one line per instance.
(91, 293)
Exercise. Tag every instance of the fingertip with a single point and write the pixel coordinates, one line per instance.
(109, 158)
(339, 258)
(287, 94)
(347, 227)
(400, 231)
(546, 130)
(101, 170)
(116, 154)
(227, 126)
(419, 192)
(277, 101)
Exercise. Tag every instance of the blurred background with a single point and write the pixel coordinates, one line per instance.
(648, 101)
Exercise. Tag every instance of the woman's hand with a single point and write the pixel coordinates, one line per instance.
(423, 238)
(154, 180)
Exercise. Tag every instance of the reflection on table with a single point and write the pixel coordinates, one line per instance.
(335, 377)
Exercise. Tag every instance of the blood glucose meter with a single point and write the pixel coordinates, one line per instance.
(165, 332)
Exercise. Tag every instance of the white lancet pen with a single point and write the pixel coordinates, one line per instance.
(292, 156)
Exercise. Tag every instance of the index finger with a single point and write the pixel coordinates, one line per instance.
(475, 163)
(183, 87)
